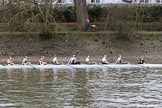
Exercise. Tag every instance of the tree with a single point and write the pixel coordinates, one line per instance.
(81, 12)
(2, 3)
(37, 18)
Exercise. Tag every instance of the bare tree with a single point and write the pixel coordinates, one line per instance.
(28, 20)
(81, 12)
(2, 2)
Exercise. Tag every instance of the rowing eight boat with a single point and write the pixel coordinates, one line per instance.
(50, 66)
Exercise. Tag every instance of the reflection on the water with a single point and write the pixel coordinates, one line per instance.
(90, 87)
(42, 74)
(82, 96)
(55, 74)
(9, 74)
(25, 73)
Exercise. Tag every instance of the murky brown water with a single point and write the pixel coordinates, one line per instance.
(80, 88)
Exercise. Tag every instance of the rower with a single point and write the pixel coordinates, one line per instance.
(104, 60)
(10, 61)
(118, 61)
(55, 61)
(142, 60)
(25, 61)
(73, 60)
(42, 61)
(88, 61)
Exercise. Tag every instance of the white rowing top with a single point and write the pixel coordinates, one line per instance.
(104, 60)
(54, 59)
(87, 60)
(24, 61)
(118, 60)
(72, 59)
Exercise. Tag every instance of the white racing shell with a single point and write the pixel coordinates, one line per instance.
(82, 66)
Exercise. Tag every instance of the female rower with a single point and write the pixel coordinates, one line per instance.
(118, 61)
(25, 61)
(104, 60)
(142, 60)
(73, 60)
(55, 61)
(88, 61)
(42, 61)
(10, 61)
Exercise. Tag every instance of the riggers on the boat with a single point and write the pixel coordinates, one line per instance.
(84, 66)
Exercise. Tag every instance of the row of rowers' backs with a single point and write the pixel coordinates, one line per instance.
(72, 60)
(26, 62)
(103, 60)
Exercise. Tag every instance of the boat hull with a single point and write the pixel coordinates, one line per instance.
(82, 66)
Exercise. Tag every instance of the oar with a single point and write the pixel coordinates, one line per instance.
(125, 62)
(4, 64)
(70, 66)
(104, 65)
(141, 65)
(32, 66)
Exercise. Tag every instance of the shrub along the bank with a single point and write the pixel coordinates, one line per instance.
(136, 17)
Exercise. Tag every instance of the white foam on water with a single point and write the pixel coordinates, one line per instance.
(7, 105)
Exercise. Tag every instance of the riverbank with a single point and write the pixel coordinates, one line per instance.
(96, 44)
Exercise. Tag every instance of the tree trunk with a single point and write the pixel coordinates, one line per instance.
(81, 12)
(3, 2)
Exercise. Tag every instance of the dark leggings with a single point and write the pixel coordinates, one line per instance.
(104, 63)
(75, 62)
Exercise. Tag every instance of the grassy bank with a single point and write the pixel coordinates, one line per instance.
(96, 44)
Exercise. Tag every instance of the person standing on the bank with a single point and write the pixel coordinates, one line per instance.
(88, 25)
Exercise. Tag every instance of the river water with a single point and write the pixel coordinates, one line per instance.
(81, 88)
